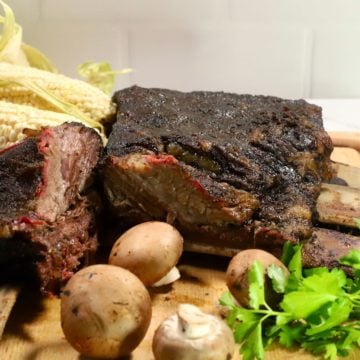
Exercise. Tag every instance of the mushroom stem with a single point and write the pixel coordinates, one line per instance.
(193, 334)
(169, 278)
(193, 322)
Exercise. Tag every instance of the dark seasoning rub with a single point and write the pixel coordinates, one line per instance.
(254, 164)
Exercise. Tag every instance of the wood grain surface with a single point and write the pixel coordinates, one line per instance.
(33, 331)
(8, 297)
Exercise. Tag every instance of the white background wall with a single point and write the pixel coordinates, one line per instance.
(288, 48)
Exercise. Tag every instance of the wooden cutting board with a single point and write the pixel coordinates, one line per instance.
(33, 331)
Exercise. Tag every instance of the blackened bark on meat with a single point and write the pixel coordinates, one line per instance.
(43, 219)
(20, 174)
(274, 150)
(51, 252)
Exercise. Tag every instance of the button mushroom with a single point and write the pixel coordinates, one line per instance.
(191, 334)
(149, 250)
(105, 311)
(238, 270)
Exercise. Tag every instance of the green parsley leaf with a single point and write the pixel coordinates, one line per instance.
(315, 271)
(320, 310)
(295, 265)
(295, 269)
(249, 320)
(351, 259)
(287, 253)
(352, 337)
(256, 285)
(333, 315)
(291, 334)
(326, 283)
(330, 352)
(227, 300)
(253, 346)
(278, 278)
(317, 347)
(357, 222)
(283, 318)
(301, 304)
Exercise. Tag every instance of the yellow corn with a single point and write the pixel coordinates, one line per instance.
(15, 118)
(87, 98)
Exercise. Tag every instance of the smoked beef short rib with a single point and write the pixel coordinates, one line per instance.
(44, 221)
(232, 171)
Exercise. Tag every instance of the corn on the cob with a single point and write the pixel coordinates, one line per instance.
(88, 99)
(15, 118)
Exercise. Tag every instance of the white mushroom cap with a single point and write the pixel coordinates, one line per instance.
(149, 250)
(105, 311)
(191, 334)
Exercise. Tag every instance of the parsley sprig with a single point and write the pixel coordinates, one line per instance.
(319, 310)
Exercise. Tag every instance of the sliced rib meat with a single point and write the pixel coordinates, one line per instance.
(44, 221)
(226, 168)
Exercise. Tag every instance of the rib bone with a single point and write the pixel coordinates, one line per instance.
(336, 205)
(339, 205)
(350, 174)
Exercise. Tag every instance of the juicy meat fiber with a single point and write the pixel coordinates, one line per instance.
(43, 219)
(237, 170)
(44, 174)
(50, 251)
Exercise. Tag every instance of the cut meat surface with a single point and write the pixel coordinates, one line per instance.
(41, 210)
(237, 169)
(51, 251)
(192, 198)
(42, 176)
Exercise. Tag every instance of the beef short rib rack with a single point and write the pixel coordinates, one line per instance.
(232, 171)
(45, 225)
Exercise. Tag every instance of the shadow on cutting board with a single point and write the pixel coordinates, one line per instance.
(27, 308)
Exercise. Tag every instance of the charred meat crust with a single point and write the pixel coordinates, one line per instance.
(51, 251)
(20, 174)
(274, 150)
